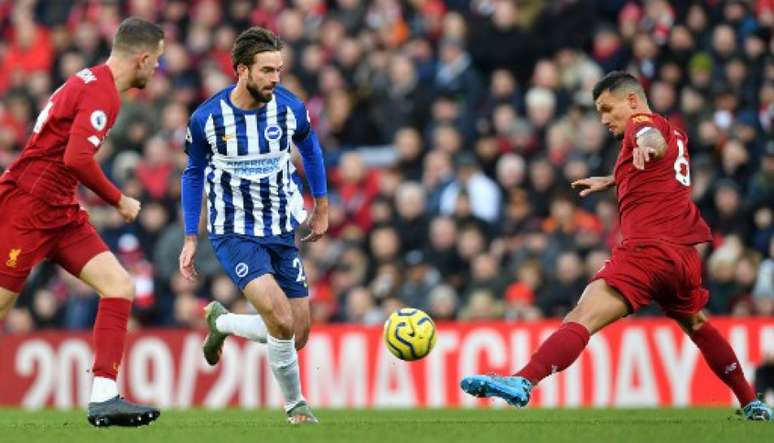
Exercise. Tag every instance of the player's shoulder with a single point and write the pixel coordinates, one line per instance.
(92, 78)
(211, 105)
(287, 98)
(640, 121)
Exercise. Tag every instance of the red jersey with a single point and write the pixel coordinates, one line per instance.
(655, 203)
(66, 135)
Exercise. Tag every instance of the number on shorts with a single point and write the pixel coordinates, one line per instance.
(300, 266)
(681, 164)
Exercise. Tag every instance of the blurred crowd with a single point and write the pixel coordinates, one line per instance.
(451, 130)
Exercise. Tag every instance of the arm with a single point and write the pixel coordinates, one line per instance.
(650, 145)
(191, 195)
(314, 167)
(593, 184)
(89, 128)
(79, 159)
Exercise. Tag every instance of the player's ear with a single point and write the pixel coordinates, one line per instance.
(242, 69)
(633, 100)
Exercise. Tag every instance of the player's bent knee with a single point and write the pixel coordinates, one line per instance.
(692, 323)
(285, 329)
(122, 286)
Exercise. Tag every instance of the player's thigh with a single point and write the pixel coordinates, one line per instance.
(82, 252)
(7, 300)
(600, 305)
(271, 303)
(683, 296)
(302, 320)
(107, 276)
(22, 244)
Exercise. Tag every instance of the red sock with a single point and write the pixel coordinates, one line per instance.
(722, 359)
(109, 336)
(557, 352)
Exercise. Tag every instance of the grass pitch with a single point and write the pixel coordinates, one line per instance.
(409, 426)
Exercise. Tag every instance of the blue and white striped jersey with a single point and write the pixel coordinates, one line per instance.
(251, 185)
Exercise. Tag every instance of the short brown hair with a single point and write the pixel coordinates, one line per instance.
(253, 41)
(135, 34)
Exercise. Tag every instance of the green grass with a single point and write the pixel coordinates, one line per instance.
(399, 426)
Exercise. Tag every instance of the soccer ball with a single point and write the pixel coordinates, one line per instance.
(409, 334)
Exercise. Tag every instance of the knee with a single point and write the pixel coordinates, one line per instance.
(283, 327)
(121, 286)
(692, 323)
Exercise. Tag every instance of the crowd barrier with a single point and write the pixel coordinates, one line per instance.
(636, 362)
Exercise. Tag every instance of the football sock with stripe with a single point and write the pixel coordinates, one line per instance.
(109, 338)
(558, 352)
(283, 360)
(246, 326)
(720, 356)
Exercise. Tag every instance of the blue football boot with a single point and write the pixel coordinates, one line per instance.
(513, 389)
(757, 410)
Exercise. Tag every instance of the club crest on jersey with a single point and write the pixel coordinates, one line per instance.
(641, 119)
(98, 120)
(241, 269)
(272, 132)
(13, 256)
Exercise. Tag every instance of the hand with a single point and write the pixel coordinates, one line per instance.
(593, 184)
(187, 268)
(642, 155)
(128, 208)
(317, 222)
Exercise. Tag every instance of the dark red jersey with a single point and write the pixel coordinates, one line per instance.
(67, 134)
(655, 203)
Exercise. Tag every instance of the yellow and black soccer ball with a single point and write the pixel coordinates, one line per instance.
(409, 334)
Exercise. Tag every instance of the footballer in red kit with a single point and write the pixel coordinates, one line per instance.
(42, 219)
(656, 260)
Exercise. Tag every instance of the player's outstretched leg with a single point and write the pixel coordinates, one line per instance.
(599, 306)
(721, 358)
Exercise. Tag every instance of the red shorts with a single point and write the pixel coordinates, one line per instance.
(670, 274)
(31, 230)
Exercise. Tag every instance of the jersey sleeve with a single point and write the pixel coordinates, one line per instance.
(193, 177)
(311, 152)
(303, 123)
(89, 128)
(93, 112)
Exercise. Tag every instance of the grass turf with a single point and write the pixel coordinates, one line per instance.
(410, 426)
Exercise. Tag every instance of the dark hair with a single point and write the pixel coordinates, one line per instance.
(253, 41)
(135, 34)
(615, 81)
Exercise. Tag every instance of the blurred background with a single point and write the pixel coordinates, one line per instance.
(451, 130)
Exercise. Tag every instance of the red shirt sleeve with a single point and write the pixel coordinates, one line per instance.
(94, 117)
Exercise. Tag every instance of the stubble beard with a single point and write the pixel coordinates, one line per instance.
(257, 95)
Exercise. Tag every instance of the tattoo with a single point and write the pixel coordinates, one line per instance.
(648, 137)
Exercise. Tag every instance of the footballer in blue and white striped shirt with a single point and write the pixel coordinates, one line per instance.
(238, 145)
